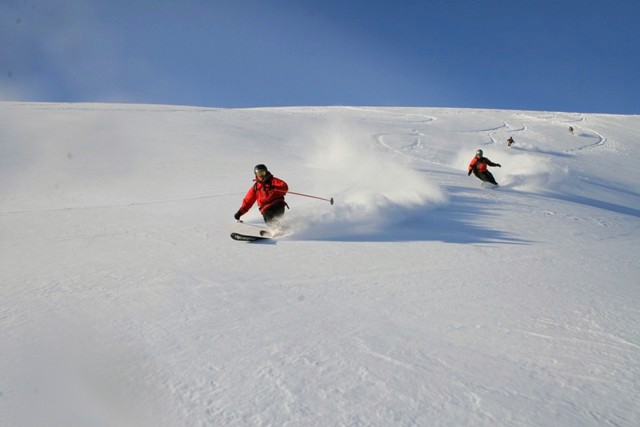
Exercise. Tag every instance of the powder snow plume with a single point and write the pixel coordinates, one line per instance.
(371, 188)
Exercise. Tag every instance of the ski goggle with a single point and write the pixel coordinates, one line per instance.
(261, 173)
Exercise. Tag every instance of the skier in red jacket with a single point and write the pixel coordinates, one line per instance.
(269, 192)
(479, 165)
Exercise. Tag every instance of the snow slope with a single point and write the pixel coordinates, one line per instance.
(419, 298)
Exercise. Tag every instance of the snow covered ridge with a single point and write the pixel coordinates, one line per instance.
(419, 298)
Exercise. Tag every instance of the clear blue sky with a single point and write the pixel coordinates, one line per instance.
(554, 55)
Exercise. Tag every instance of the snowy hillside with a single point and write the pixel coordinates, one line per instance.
(419, 298)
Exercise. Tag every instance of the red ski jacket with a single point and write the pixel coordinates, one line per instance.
(480, 164)
(266, 193)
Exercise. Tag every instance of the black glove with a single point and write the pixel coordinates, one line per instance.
(237, 215)
(498, 165)
(469, 174)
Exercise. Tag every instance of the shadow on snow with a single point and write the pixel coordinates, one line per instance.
(459, 221)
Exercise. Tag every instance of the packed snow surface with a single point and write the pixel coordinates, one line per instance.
(420, 298)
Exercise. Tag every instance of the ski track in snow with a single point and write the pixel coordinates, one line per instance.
(120, 205)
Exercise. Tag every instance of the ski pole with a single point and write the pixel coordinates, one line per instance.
(308, 195)
(313, 197)
(250, 225)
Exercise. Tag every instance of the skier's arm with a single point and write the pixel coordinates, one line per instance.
(279, 187)
(490, 163)
(283, 187)
(472, 165)
(247, 202)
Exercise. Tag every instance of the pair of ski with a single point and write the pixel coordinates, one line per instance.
(262, 235)
(246, 232)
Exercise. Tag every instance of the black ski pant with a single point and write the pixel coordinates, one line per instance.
(485, 176)
(273, 213)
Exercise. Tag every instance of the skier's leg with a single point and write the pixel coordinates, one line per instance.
(489, 178)
(273, 214)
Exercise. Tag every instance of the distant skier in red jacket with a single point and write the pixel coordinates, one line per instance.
(479, 165)
(269, 192)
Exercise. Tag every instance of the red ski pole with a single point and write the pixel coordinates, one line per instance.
(313, 197)
(308, 195)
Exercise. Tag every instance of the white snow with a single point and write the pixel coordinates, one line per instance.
(419, 298)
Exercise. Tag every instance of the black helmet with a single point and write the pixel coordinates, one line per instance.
(479, 152)
(260, 167)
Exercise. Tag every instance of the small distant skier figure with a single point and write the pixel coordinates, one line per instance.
(269, 192)
(510, 141)
(571, 130)
(479, 165)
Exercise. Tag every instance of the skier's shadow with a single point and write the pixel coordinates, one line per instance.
(456, 222)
